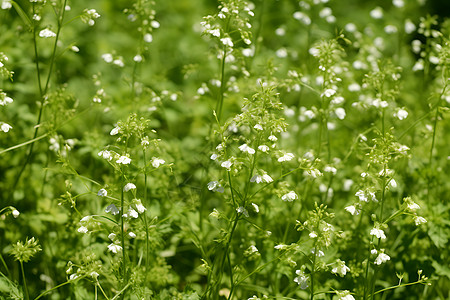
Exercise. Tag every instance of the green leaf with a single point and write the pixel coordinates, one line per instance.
(439, 236)
(22, 14)
(441, 270)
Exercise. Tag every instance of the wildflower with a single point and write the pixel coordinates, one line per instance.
(340, 113)
(215, 186)
(280, 247)
(125, 160)
(6, 100)
(114, 248)
(381, 258)
(214, 32)
(214, 156)
(15, 213)
(341, 269)
(112, 209)
(271, 137)
(215, 214)
(94, 274)
(377, 13)
(419, 220)
(362, 196)
(242, 210)
(226, 164)
(302, 17)
(255, 207)
(409, 26)
(291, 196)
(328, 93)
(312, 235)
(352, 209)
(6, 4)
(47, 33)
(107, 57)
(82, 229)
(133, 213)
(111, 236)
(301, 279)
(347, 184)
(129, 186)
(5, 127)
(263, 148)
(139, 206)
(330, 169)
(313, 172)
(245, 148)
(156, 162)
(102, 193)
(344, 295)
(105, 154)
(115, 130)
(401, 114)
(155, 24)
(411, 205)
(286, 157)
(148, 38)
(379, 233)
(258, 127)
(261, 178)
(227, 42)
(137, 58)
(132, 235)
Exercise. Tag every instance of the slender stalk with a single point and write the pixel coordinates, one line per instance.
(313, 272)
(54, 288)
(25, 286)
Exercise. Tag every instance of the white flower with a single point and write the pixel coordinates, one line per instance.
(214, 32)
(156, 162)
(261, 178)
(377, 13)
(272, 137)
(301, 279)
(340, 113)
(155, 24)
(328, 93)
(115, 130)
(6, 4)
(137, 58)
(132, 235)
(379, 233)
(255, 207)
(401, 114)
(314, 173)
(111, 236)
(139, 206)
(129, 186)
(245, 148)
(46, 33)
(345, 295)
(148, 38)
(347, 184)
(105, 154)
(280, 247)
(112, 209)
(125, 160)
(258, 127)
(352, 209)
(226, 164)
(107, 57)
(15, 213)
(114, 248)
(102, 193)
(227, 42)
(133, 213)
(341, 269)
(362, 196)
(214, 156)
(419, 220)
(82, 229)
(330, 169)
(312, 235)
(264, 148)
(286, 157)
(215, 186)
(6, 100)
(291, 196)
(5, 127)
(413, 206)
(409, 26)
(381, 258)
(398, 3)
(242, 210)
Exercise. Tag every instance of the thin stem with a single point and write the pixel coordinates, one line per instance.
(54, 288)
(25, 286)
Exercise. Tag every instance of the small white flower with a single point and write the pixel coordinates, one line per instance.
(6, 100)
(6, 4)
(245, 148)
(156, 162)
(129, 186)
(242, 210)
(111, 236)
(47, 33)
(409, 26)
(352, 209)
(401, 114)
(214, 32)
(137, 58)
(255, 207)
(341, 269)
(261, 178)
(105, 154)
(15, 213)
(133, 213)
(215, 186)
(125, 160)
(272, 137)
(132, 235)
(419, 220)
(115, 130)
(227, 42)
(112, 209)
(148, 38)
(377, 13)
(330, 169)
(362, 196)
(226, 164)
(102, 193)
(264, 148)
(5, 127)
(301, 279)
(312, 235)
(328, 93)
(258, 127)
(286, 157)
(155, 24)
(139, 206)
(291, 196)
(82, 229)
(381, 258)
(413, 206)
(280, 247)
(114, 248)
(107, 57)
(379, 233)
(398, 3)
(340, 113)
(374, 251)
(214, 156)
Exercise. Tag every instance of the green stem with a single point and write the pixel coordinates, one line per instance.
(25, 287)
(52, 289)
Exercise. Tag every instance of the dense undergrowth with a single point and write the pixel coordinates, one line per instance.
(232, 150)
